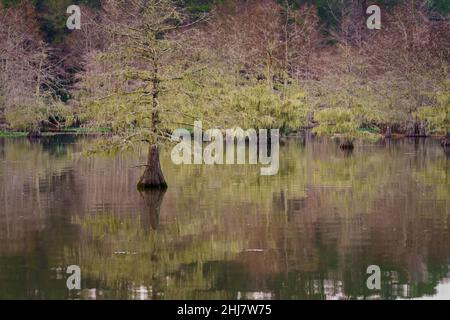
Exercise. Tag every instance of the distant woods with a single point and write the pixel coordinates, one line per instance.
(285, 64)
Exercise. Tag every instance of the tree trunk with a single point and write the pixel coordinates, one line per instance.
(388, 133)
(153, 177)
(411, 130)
(347, 144)
(3, 122)
(34, 133)
(310, 120)
(446, 141)
(423, 129)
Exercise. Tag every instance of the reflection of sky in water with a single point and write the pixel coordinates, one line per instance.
(442, 291)
(224, 231)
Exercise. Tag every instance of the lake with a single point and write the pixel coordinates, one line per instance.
(225, 232)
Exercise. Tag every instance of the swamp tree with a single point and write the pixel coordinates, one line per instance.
(141, 85)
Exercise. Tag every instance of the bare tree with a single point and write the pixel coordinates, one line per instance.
(265, 39)
(26, 74)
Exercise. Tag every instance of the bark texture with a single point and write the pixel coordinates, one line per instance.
(153, 177)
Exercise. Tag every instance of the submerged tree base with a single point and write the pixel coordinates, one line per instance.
(153, 177)
(347, 145)
(151, 186)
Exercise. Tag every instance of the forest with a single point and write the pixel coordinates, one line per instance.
(360, 149)
(137, 70)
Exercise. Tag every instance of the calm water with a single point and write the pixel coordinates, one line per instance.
(225, 232)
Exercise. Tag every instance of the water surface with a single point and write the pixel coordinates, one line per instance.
(225, 232)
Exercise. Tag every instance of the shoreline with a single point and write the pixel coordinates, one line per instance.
(103, 132)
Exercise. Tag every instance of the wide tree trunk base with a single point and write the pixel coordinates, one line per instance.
(347, 145)
(142, 186)
(153, 177)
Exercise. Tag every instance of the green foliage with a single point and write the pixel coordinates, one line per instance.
(336, 122)
(136, 85)
(441, 6)
(200, 6)
(8, 3)
(120, 81)
(331, 11)
(341, 123)
(10, 134)
(87, 130)
(437, 116)
(259, 106)
(43, 111)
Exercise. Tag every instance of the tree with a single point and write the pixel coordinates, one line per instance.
(258, 107)
(341, 123)
(27, 80)
(264, 48)
(438, 117)
(384, 77)
(408, 58)
(344, 100)
(141, 84)
(265, 40)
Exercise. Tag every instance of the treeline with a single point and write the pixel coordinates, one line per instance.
(261, 64)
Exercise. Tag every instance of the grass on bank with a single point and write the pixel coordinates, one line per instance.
(12, 134)
(9, 134)
(86, 130)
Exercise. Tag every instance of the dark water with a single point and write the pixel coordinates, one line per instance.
(225, 231)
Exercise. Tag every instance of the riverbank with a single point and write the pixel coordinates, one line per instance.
(96, 131)
(12, 134)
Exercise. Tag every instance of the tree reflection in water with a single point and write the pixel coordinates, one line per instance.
(225, 231)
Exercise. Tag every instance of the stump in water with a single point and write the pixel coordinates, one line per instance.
(153, 177)
(347, 145)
